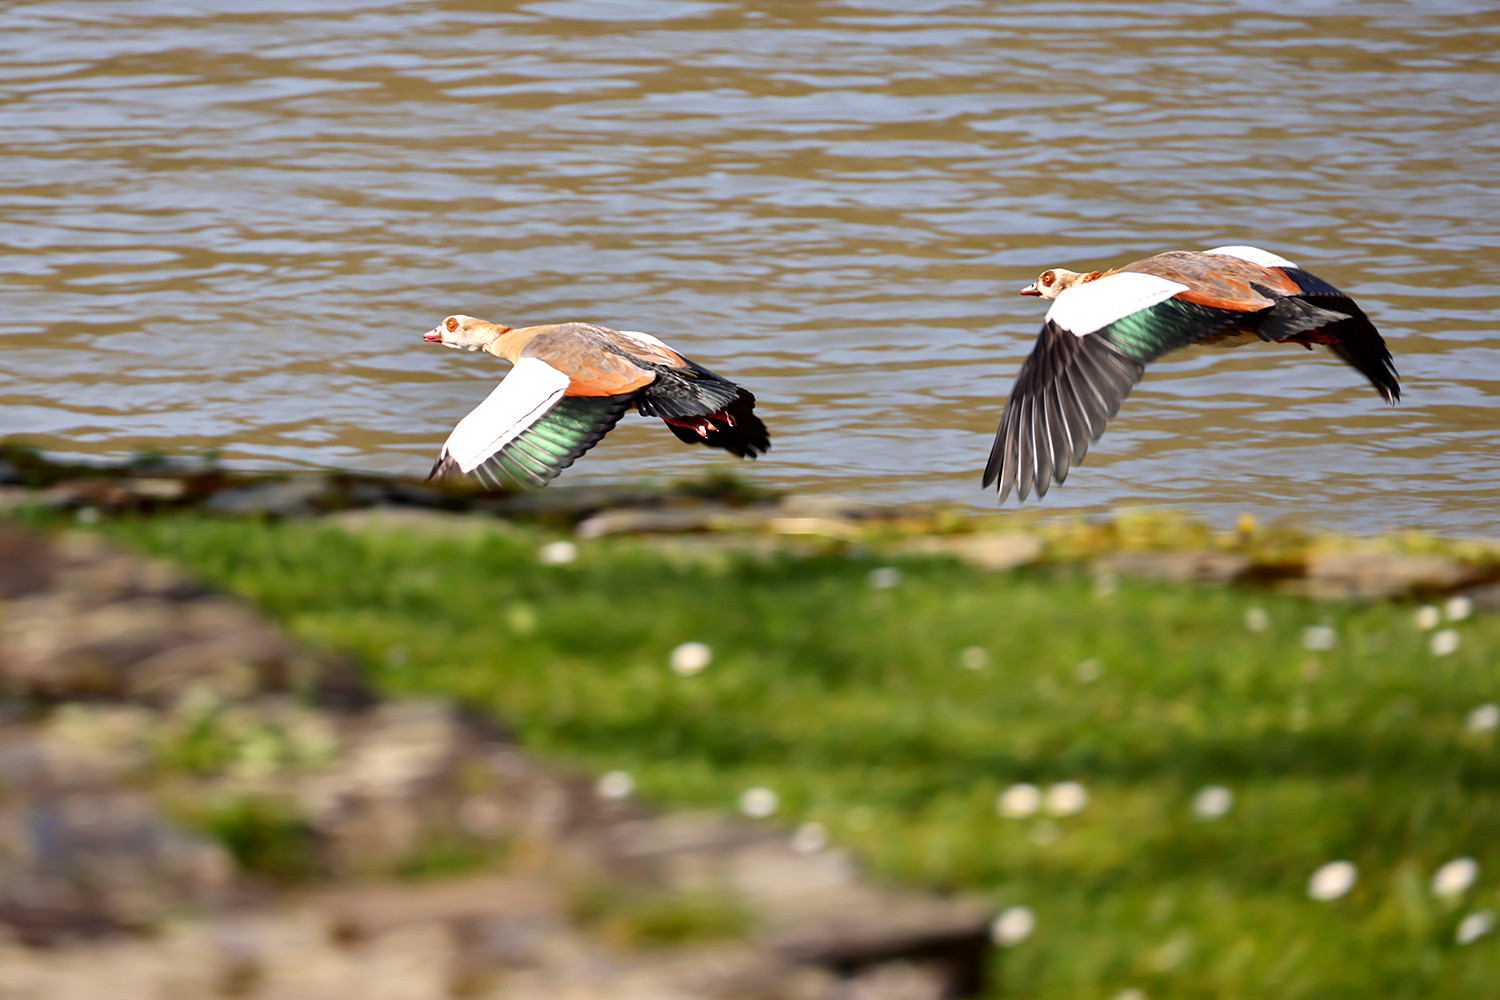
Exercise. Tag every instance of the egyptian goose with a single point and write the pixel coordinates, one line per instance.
(569, 384)
(1104, 328)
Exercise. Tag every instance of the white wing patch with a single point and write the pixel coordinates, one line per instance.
(669, 352)
(1095, 304)
(520, 400)
(642, 336)
(1253, 255)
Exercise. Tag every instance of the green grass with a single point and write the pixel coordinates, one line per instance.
(266, 838)
(850, 701)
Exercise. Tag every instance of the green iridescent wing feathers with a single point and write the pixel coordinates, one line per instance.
(536, 455)
(1067, 390)
(1167, 326)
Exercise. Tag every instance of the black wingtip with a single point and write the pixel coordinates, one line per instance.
(992, 467)
(735, 428)
(1353, 337)
(1358, 344)
(1067, 390)
(447, 474)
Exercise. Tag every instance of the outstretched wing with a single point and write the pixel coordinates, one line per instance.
(527, 431)
(1094, 347)
(1067, 390)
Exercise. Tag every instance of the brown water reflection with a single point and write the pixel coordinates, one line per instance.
(230, 230)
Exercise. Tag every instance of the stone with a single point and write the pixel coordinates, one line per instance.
(631, 520)
(830, 508)
(14, 498)
(1486, 596)
(81, 864)
(26, 563)
(825, 526)
(1203, 567)
(1371, 575)
(813, 909)
(366, 912)
(990, 550)
(396, 520)
(79, 746)
(299, 496)
(564, 501)
(85, 620)
(871, 929)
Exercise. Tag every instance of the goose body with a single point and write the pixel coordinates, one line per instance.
(569, 384)
(1103, 328)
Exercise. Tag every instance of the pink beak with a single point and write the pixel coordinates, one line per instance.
(1031, 289)
(434, 336)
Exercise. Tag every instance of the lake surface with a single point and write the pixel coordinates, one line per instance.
(229, 230)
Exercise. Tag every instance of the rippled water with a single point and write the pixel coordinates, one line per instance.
(229, 230)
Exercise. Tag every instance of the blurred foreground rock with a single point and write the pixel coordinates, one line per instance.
(192, 806)
(83, 620)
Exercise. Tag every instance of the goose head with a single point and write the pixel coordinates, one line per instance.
(1054, 281)
(465, 333)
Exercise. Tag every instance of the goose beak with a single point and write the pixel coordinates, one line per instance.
(1031, 289)
(433, 336)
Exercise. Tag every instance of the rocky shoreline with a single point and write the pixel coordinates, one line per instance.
(727, 513)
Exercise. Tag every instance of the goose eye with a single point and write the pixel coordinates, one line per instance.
(1048, 278)
(451, 324)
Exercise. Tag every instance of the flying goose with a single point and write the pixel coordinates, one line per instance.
(1103, 328)
(569, 384)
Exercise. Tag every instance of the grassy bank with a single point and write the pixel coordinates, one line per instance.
(893, 701)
